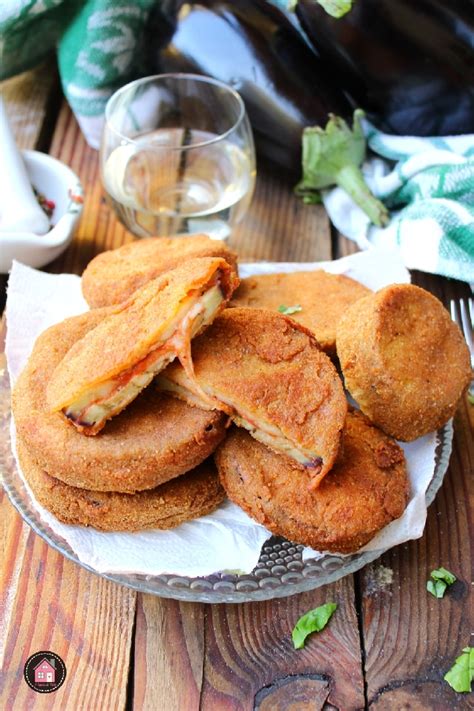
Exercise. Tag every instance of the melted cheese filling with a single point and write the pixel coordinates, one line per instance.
(264, 432)
(102, 402)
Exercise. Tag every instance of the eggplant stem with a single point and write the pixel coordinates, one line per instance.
(350, 179)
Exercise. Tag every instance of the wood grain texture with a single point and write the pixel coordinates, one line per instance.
(241, 657)
(410, 638)
(60, 607)
(279, 227)
(47, 602)
(30, 101)
(190, 657)
(169, 654)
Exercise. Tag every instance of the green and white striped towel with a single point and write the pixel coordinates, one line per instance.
(98, 45)
(428, 185)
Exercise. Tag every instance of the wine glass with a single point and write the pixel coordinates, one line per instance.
(177, 156)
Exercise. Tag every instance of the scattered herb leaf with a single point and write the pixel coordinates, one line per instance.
(443, 574)
(313, 621)
(288, 310)
(461, 674)
(470, 398)
(442, 578)
(437, 589)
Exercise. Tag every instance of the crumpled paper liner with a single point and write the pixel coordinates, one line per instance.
(226, 539)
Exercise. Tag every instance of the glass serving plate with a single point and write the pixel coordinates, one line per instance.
(280, 570)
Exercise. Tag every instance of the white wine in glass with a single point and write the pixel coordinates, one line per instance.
(177, 156)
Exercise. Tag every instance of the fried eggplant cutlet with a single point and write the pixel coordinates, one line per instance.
(367, 488)
(269, 374)
(113, 276)
(156, 439)
(403, 360)
(104, 371)
(189, 496)
(315, 299)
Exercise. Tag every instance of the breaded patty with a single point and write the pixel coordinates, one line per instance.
(403, 359)
(367, 488)
(156, 439)
(323, 299)
(113, 276)
(269, 374)
(189, 496)
(105, 370)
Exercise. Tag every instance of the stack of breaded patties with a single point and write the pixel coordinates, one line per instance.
(97, 442)
(117, 404)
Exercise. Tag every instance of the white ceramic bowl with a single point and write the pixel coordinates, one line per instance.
(60, 184)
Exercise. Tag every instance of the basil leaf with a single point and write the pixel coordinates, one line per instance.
(443, 574)
(288, 310)
(313, 621)
(461, 674)
(437, 589)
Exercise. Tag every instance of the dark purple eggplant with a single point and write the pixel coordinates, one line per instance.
(408, 63)
(253, 47)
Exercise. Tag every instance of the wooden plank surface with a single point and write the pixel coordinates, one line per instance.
(278, 227)
(241, 657)
(410, 638)
(194, 656)
(47, 602)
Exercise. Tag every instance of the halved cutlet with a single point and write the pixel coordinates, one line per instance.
(154, 440)
(269, 374)
(104, 371)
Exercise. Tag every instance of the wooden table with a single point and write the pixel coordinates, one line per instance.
(389, 643)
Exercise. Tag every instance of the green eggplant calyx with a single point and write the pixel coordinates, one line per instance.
(336, 8)
(333, 156)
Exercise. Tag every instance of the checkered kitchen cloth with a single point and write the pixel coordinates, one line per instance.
(428, 183)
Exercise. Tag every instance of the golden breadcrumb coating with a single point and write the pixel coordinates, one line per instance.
(152, 324)
(403, 359)
(183, 499)
(156, 439)
(270, 375)
(113, 276)
(323, 299)
(367, 488)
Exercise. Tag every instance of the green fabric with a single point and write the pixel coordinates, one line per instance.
(428, 186)
(97, 43)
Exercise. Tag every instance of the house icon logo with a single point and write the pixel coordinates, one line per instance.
(44, 672)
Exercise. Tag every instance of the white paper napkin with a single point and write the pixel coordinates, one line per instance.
(226, 539)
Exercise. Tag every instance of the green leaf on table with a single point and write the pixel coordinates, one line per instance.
(288, 310)
(440, 579)
(313, 621)
(443, 574)
(437, 588)
(461, 674)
